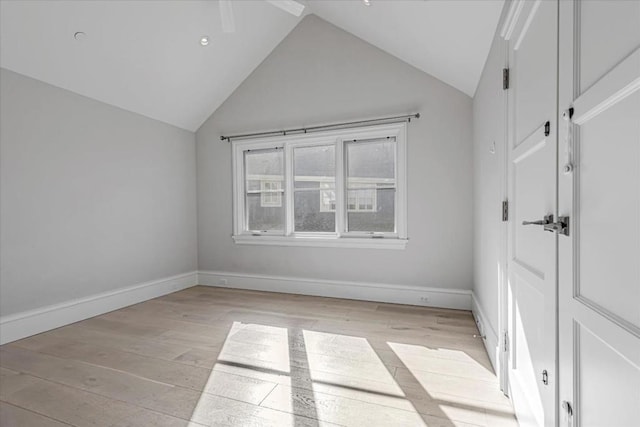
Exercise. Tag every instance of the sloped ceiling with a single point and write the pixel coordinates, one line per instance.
(145, 56)
(449, 39)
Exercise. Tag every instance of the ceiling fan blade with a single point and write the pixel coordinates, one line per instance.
(226, 16)
(291, 6)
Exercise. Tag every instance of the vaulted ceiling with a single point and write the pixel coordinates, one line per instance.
(145, 56)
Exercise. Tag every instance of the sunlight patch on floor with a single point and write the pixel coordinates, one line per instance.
(458, 385)
(275, 376)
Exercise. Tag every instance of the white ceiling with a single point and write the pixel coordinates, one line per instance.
(145, 56)
(449, 39)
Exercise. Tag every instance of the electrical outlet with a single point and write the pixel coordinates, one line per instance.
(222, 282)
(424, 299)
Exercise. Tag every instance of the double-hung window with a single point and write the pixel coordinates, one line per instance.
(339, 188)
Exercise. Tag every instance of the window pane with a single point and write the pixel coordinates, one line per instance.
(264, 183)
(314, 202)
(371, 185)
(380, 219)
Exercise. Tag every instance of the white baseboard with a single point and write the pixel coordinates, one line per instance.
(21, 325)
(379, 292)
(491, 342)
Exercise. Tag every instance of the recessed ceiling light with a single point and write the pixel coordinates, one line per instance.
(366, 2)
(204, 40)
(79, 36)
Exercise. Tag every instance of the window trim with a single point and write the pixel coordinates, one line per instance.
(341, 238)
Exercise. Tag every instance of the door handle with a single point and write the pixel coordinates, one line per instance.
(562, 226)
(548, 219)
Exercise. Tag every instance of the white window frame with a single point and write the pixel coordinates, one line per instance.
(341, 238)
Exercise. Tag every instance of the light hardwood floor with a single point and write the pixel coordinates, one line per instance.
(221, 357)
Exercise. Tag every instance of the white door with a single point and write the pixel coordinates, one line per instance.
(599, 181)
(532, 251)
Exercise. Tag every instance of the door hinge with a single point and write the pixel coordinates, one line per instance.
(505, 78)
(547, 129)
(505, 211)
(505, 341)
(545, 377)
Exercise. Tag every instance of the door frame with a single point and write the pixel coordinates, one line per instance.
(503, 300)
(508, 27)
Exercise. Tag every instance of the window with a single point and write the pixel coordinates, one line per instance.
(264, 174)
(342, 188)
(313, 167)
(370, 169)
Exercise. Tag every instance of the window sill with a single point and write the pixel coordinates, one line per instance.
(323, 242)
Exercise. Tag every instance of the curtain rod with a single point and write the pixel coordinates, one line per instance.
(345, 125)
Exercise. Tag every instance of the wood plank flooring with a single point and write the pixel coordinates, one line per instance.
(222, 357)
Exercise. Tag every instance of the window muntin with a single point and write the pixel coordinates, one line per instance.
(264, 176)
(314, 192)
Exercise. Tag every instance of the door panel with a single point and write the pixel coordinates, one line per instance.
(609, 250)
(532, 253)
(532, 279)
(534, 55)
(599, 268)
(602, 47)
(530, 158)
(528, 339)
(596, 384)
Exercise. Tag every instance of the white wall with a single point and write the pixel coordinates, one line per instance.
(321, 74)
(488, 182)
(93, 198)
